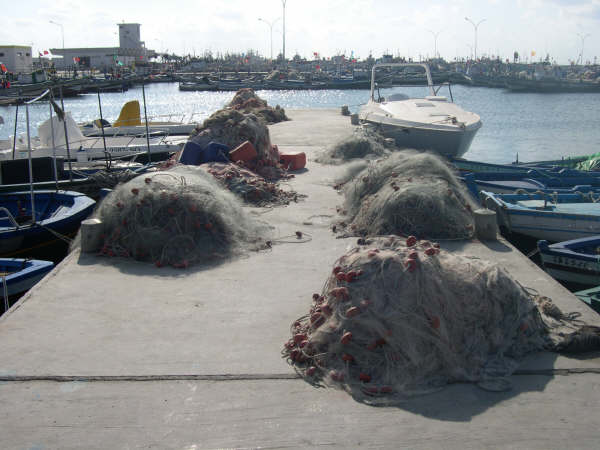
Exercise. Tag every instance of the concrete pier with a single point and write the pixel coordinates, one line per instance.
(119, 354)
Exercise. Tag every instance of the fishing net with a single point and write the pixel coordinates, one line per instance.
(401, 317)
(231, 127)
(251, 187)
(364, 143)
(409, 193)
(177, 217)
(246, 101)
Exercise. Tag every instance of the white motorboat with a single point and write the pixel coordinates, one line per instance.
(430, 123)
(51, 141)
(129, 123)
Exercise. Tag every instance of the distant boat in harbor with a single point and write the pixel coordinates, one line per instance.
(549, 85)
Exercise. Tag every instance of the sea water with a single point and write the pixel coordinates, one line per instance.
(528, 126)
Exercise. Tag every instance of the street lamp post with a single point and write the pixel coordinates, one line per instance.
(62, 31)
(475, 26)
(582, 37)
(435, 36)
(270, 24)
(283, 2)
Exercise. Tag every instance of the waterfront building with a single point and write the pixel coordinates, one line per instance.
(16, 58)
(131, 50)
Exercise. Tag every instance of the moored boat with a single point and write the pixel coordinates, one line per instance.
(19, 275)
(591, 297)
(553, 217)
(576, 261)
(430, 123)
(28, 224)
(129, 123)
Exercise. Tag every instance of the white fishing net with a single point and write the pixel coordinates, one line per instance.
(177, 217)
(401, 317)
(408, 192)
(364, 143)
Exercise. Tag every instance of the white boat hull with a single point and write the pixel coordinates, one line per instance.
(451, 143)
(136, 130)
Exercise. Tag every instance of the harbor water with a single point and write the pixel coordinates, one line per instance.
(532, 126)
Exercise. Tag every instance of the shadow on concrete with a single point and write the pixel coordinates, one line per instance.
(497, 246)
(461, 402)
(144, 269)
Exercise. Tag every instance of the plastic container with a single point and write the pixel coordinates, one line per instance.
(244, 152)
(293, 161)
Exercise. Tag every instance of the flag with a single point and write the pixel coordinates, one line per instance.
(45, 52)
(40, 53)
(3, 68)
(532, 52)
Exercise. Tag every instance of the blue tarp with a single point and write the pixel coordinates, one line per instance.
(195, 153)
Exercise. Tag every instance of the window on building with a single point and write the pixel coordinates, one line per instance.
(19, 53)
(26, 54)
(1, 54)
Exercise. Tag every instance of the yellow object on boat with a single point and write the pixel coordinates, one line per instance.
(130, 115)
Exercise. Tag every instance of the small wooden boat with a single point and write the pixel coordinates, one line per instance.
(26, 226)
(468, 166)
(553, 217)
(532, 180)
(591, 297)
(19, 275)
(575, 261)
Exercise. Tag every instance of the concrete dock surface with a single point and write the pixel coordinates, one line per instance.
(112, 353)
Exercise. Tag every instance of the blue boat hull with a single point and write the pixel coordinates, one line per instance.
(58, 213)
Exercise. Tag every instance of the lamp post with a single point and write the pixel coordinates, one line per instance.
(62, 31)
(270, 24)
(435, 36)
(283, 3)
(475, 26)
(582, 37)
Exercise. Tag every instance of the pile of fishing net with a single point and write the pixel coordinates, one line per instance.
(177, 217)
(364, 143)
(246, 101)
(249, 186)
(231, 127)
(399, 317)
(408, 193)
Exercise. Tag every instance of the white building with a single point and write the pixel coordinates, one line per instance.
(130, 50)
(16, 58)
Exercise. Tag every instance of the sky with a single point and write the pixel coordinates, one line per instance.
(329, 27)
